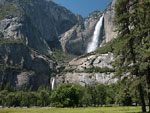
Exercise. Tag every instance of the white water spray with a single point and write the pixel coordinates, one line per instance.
(53, 81)
(92, 46)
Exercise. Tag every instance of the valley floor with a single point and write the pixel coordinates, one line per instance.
(74, 110)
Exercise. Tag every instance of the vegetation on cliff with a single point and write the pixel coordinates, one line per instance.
(8, 9)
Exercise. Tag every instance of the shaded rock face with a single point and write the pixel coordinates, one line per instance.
(39, 25)
(76, 70)
(21, 66)
(109, 27)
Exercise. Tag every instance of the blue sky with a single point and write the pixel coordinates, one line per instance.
(83, 7)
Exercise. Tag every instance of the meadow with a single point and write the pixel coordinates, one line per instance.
(74, 110)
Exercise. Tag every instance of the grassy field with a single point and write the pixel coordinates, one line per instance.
(74, 110)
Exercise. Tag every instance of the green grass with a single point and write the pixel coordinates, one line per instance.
(75, 110)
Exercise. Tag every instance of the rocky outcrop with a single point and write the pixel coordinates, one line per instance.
(38, 24)
(88, 70)
(109, 27)
(21, 66)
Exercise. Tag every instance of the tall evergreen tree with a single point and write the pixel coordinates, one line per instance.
(140, 23)
(132, 21)
(142, 32)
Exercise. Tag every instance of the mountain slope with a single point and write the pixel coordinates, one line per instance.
(21, 66)
(38, 25)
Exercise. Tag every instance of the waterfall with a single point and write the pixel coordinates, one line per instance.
(93, 45)
(53, 81)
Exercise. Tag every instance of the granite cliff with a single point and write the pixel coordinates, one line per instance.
(38, 23)
(22, 66)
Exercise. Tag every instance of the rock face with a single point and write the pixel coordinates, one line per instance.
(22, 66)
(75, 41)
(76, 71)
(109, 27)
(39, 24)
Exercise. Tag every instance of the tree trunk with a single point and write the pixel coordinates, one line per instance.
(142, 98)
(148, 86)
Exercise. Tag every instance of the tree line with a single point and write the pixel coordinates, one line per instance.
(70, 95)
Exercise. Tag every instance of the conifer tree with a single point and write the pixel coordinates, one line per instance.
(141, 31)
(132, 21)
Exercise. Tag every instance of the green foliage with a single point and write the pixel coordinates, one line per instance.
(112, 91)
(71, 95)
(24, 98)
(91, 91)
(60, 56)
(7, 9)
(87, 98)
(44, 98)
(133, 42)
(3, 95)
(109, 47)
(101, 94)
(124, 97)
(67, 95)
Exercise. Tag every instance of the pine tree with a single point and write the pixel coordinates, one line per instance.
(132, 21)
(141, 27)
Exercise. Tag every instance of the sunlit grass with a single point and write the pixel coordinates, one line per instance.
(74, 110)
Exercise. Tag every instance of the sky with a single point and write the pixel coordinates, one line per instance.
(83, 7)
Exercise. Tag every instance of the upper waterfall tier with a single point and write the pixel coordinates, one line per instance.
(93, 45)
